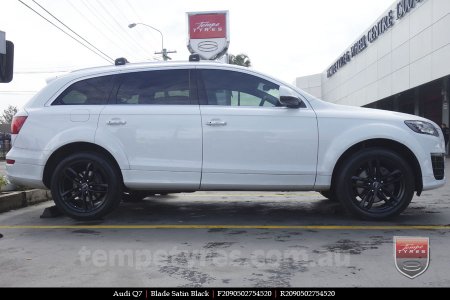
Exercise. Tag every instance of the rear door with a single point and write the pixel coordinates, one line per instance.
(249, 140)
(155, 121)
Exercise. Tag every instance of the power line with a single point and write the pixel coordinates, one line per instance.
(102, 34)
(127, 20)
(136, 19)
(121, 27)
(95, 10)
(73, 31)
(96, 53)
(134, 10)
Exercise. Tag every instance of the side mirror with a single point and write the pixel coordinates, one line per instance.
(288, 98)
(7, 63)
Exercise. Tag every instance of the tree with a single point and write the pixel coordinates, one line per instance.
(8, 115)
(240, 60)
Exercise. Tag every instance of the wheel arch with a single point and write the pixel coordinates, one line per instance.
(388, 144)
(74, 148)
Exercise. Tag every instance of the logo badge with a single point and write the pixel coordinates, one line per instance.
(209, 34)
(412, 255)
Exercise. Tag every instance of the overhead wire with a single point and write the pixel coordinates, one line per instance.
(106, 36)
(139, 19)
(109, 60)
(121, 12)
(134, 10)
(73, 31)
(103, 19)
(121, 27)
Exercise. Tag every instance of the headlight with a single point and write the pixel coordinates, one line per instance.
(422, 127)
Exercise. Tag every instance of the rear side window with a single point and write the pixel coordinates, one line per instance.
(93, 91)
(167, 87)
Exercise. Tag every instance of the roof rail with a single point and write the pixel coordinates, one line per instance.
(194, 57)
(121, 61)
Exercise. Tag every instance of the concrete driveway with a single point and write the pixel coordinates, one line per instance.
(229, 239)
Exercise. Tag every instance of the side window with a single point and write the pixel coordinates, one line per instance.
(93, 91)
(239, 89)
(168, 87)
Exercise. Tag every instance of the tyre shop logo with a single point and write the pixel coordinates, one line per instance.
(208, 46)
(412, 255)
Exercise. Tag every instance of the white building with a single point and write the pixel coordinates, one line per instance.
(401, 63)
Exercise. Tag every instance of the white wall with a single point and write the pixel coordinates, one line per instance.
(311, 84)
(416, 50)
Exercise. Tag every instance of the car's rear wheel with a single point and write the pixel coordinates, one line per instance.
(375, 184)
(86, 186)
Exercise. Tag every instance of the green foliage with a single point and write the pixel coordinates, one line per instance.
(3, 181)
(8, 114)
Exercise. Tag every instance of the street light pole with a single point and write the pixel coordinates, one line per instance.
(164, 51)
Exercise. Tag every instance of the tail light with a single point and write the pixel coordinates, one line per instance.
(17, 124)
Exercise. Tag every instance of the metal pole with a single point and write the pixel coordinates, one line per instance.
(164, 51)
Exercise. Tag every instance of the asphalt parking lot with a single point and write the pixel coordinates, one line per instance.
(222, 239)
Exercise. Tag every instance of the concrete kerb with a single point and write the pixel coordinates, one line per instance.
(19, 199)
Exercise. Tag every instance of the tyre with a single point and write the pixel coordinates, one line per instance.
(375, 184)
(330, 195)
(86, 186)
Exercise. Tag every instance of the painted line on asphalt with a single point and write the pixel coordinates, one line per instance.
(300, 227)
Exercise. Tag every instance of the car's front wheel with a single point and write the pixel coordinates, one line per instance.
(375, 184)
(86, 186)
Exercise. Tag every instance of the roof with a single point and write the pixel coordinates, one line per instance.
(113, 69)
(55, 85)
(134, 66)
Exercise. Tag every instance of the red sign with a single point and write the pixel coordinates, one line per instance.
(411, 248)
(412, 255)
(207, 26)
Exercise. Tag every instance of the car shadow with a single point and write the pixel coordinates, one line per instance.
(267, 211)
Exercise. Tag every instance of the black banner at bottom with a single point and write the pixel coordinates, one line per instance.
(204, 293)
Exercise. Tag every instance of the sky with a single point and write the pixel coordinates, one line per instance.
(284, 38)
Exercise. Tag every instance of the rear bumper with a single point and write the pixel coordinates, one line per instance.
(28, 168)
(25, 174)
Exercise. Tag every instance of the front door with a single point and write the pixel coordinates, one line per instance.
(249, 140)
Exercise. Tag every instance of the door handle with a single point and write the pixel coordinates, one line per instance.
(216, 123)
(116, 122)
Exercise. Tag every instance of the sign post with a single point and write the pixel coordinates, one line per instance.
(6, 59)
(209, 34)
(2, 43)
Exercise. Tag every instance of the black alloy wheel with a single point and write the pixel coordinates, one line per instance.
(86, 186)
(375, 184)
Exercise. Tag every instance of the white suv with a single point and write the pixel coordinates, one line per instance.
(95, 134)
